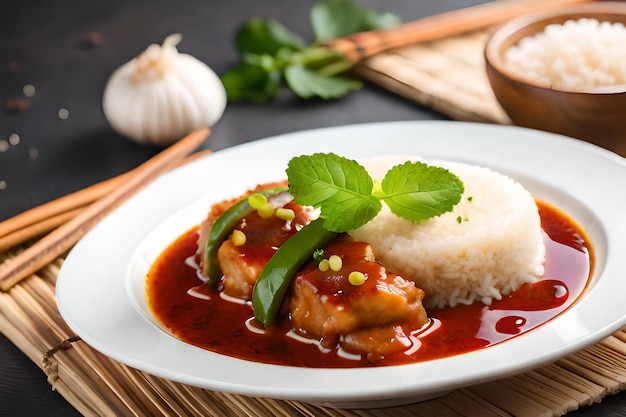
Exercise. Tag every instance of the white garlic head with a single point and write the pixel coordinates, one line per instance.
(162, 95)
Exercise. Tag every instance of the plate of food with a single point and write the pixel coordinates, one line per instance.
(359, 266)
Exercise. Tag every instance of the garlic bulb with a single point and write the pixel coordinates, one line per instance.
(162, 95)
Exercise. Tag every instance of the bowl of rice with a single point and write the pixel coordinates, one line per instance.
(564, 71)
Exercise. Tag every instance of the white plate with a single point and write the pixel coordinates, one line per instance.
(108, 311)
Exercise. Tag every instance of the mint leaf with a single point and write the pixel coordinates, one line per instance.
(251, 82)
(307, 83)
(340, 187)
(261, 36)
(417, 191)
(337, 18)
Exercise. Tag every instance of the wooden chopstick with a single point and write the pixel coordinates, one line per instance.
(13, 270)
(46, 217)
(58, 206)
(38, 228)
(366, 44)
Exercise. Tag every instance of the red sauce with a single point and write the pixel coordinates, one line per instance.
(220, 326)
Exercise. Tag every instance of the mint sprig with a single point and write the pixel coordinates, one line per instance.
(272, 55)
(348, 197)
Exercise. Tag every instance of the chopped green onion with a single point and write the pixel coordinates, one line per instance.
(285, 214)
(318, 255)
(356, 278)
(257, 200)
(266, 211)
(238, 238)
(323, 265)
(335, 263)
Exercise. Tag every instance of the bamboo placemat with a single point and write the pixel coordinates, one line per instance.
(447, 76)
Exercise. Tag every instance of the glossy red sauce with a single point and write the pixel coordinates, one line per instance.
(218, 325)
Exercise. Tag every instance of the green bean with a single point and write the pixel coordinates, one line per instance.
(270, 288)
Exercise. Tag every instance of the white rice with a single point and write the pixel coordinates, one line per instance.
(495, 248)
(577, 54)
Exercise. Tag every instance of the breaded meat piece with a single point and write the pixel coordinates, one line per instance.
(374, 317)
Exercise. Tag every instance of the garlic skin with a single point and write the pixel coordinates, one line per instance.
(162, 95)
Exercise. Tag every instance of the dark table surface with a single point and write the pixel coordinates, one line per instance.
(46, 44)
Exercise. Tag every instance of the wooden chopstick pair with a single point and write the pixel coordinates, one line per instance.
(366, 44)
(47, 217)
(107, 196)
(14, 237)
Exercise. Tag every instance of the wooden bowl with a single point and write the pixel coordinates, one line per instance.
(595, 114)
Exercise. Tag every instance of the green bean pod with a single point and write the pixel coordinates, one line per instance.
(220, 231)
(270, 288)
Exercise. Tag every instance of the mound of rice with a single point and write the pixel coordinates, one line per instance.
(488, 246)
(577, 54)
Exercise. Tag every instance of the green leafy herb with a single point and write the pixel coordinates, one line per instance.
(308, 83)
(340, 187)
(333, 19)
(266, 37)
(272, 55)
(348, 197)
(417, 191)
(318, 255)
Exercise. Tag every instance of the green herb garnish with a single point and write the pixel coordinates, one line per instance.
(348, 197)
(271, 54)
(318, 255)
(333, 19)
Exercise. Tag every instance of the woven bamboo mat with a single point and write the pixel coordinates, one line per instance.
(445, 75)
